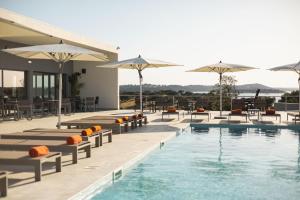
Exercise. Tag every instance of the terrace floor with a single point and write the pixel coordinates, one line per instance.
(123, 152)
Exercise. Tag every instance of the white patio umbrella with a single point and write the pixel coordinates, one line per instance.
(222, 68)
(60, 53)
(139, 64)
(295, 67)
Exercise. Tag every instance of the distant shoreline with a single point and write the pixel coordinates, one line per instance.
(247, 88)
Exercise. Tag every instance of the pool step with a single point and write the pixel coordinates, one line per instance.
(117, 174)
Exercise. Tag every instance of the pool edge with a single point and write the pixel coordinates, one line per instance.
(91, 190)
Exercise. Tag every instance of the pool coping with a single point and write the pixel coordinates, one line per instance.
(270, 126)
(98, 186)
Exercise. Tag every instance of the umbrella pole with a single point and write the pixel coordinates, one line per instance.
(221, 106)
(141, 90)
(59, 94)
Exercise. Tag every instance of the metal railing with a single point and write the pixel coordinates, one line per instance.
(280, 102)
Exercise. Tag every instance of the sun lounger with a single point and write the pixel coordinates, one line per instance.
(3, 184)
(53, 145)
(270, 113)
(22, 158)
(274, 115)
(132, 120)
(205, 113)
(139, 117)
(169, 113)
(117, 128)
(61, 134)
(238, 113)
(294, 115)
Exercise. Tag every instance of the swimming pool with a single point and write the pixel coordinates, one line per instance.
(217, 163)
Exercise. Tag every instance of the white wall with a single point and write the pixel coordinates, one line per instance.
(102, 82)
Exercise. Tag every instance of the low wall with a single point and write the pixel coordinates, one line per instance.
(288, 106)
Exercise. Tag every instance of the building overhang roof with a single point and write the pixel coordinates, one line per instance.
(28, 31)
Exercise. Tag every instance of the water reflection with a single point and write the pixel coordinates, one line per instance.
(200, 130)
(297, 133)
(271, 132)
(238, 131)
(220, 146)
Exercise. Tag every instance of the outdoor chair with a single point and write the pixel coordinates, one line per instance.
(11, 110)
(2, 108)
(40, 107)
(61, 134)
(21, 158)
(53, 145)
(3, 184)
(66, 106)
(97, 103)
(90, 104)
(25, 109)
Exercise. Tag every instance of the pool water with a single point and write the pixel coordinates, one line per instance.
(217, 163)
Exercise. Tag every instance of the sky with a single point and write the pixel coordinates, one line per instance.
(193, 33)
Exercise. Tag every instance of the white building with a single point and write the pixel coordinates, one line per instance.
(29, 79)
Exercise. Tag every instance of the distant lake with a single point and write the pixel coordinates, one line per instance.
(252, 94)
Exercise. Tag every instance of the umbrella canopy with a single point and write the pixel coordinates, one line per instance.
(222, 68)
(139, 64)
(57, 52)
(60, 53)
(295, 67)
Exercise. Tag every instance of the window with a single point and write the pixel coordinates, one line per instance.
(45, 85)
(13, 84)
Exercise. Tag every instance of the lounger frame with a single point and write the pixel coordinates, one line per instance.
(3, 184)
(62, 147)
(276, 115)
(296, 117)
(80, 124)
(238, 115)
(201, 114)
(61, 134)
(36, 162)
(171, 113)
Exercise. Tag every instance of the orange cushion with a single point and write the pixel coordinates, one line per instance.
(236, 111)
(119, 121)
(96, 128)
(171, 109)
(270, 111)
(200, 109)
(125, 118)
(74, 139)
(87, 132)
(38, 151)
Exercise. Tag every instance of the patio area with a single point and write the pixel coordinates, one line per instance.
(122, 153)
